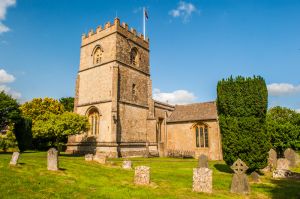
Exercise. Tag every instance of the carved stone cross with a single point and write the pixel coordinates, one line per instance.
(239, 167)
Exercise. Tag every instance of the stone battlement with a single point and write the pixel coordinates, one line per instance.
(111, 28)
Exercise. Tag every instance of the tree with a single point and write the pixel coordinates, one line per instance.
(68, 103)
(58, 127)
(9, 110)
(39, 107)
(284, 128)
(242, 106)
(23, 134)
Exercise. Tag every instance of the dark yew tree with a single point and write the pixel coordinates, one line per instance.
(242, 108)
(68, 103)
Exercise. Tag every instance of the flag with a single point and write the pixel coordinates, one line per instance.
(146, 14)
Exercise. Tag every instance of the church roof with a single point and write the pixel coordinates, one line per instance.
(194, 112)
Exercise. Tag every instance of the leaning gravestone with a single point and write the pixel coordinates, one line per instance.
(100, 158)
(142, 175)
(239, 182)
(127, 164)
(52, 158)
(88, 157)
(291, 155)
(14, 158)
(272, 160)
(202, 161)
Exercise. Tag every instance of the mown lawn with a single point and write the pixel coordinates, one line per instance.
(171, 178)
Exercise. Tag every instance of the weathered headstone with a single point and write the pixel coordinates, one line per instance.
(88, 157)
(52, 158)
(100, 158)
(239, 182)
(142, 175)
(255, 177)
(272, 160)
(291, 156)
(127, 164)
(14, 158)
(282, 173)
(202, 180)
(202, 161)
(283, 164)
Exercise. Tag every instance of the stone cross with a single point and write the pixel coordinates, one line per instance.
(202, 180)
(142, 175)
(14, 158)
(202, 161)
(52, 159)
(127, 164)
(239, 182)
(88, 157)
(291, 155)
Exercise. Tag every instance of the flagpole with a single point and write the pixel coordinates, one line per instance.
(144, 23)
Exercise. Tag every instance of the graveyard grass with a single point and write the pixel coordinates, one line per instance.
(171, 178)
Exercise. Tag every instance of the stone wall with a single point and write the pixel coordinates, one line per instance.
(182, 136)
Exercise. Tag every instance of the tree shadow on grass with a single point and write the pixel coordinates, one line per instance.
(284, 188)
(70, 155)
(223, 168)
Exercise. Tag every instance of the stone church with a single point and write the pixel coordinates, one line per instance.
(114, 90)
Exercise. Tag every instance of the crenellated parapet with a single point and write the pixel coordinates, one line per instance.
(109, 28)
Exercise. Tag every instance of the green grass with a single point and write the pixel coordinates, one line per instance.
(171, 178)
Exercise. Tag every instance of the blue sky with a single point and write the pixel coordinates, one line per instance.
(193, 45)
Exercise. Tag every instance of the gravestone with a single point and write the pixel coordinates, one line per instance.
(282, 173)
(14, 158)
(100, 158)
(88, 157)
(239, 182)
(52, 158)
(283, 164)
(202, 161)
(291, 156)
(127, 164)
(202, 180)
(142, 175)
(255, 177)
(272, 160)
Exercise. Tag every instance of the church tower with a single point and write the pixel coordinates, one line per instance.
(114, 90)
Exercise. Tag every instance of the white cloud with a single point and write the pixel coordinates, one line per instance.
(183, 10)
(297, 110)
(4, 4)
(175, 97)
(279, 89)
(5, 77)
(11, 92)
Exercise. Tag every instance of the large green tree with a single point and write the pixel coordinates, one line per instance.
(39, 107)
(242, 107)
(9, 110)
(68, 103)
(58, 127)
(284, 128)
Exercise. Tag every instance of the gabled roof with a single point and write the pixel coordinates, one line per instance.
(194, 112)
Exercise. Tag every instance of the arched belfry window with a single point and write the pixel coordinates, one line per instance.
(94, 120)
(134, 57)
(97, 54)
(201, 131)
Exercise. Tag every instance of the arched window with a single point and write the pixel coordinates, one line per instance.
(201, 136)
(134, 57)
(94, 119)
(97, 55)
